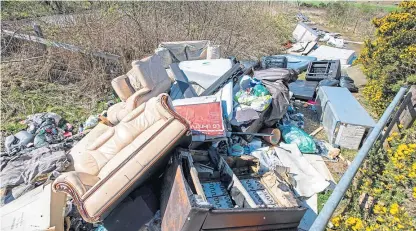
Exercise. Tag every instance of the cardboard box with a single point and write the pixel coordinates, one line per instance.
(39, 209)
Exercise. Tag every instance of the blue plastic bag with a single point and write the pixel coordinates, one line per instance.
(294, 135)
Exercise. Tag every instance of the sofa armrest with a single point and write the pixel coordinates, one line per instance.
(131, 101)
(76, 184)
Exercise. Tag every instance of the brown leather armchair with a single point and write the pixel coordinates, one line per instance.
(145, 80)
(122, 157)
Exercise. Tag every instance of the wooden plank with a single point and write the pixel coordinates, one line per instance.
(395, 118)
(39, 33)
(408, 116)
(61, 45)
(316, 131)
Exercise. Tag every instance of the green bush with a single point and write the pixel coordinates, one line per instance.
(389, 60)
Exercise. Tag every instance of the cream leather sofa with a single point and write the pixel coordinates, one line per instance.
(145, 80)
(122, 157)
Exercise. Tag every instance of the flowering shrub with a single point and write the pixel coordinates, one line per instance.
(389, 60)
(388, 177)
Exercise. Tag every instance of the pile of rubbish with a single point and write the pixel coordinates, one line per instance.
(198, 142)
(38, 155)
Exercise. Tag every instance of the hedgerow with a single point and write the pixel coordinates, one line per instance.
(388, 178)
(389, 60)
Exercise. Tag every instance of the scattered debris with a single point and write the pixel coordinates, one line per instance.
(244, 126)
(32, 167)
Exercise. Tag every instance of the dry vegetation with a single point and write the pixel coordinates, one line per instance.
(352, 19)
(76, 85)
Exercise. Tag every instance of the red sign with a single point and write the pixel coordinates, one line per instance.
(205, 118)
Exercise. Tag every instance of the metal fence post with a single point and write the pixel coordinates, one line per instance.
(344, 183)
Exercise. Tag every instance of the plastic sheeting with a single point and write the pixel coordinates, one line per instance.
(293, 135)
(307, 181)
(29, 165)
(298, 63)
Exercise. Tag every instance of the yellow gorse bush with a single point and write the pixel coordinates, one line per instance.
(389, 60)
(389, 177)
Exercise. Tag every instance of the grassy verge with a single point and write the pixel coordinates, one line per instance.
(24, 93)
(46, 98)
(358, 5)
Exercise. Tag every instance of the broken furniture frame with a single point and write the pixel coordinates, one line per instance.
(221, 202)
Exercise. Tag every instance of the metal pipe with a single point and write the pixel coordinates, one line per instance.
(344, 183)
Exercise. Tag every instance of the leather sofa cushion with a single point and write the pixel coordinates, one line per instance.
(135, 168)
(78, 151)
(115, 139)
(128, 150)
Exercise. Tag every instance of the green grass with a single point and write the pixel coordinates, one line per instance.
(348, 154)
(322, 198)
(20, 102)
(372, 6)
(302, 76)
(363, 6)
